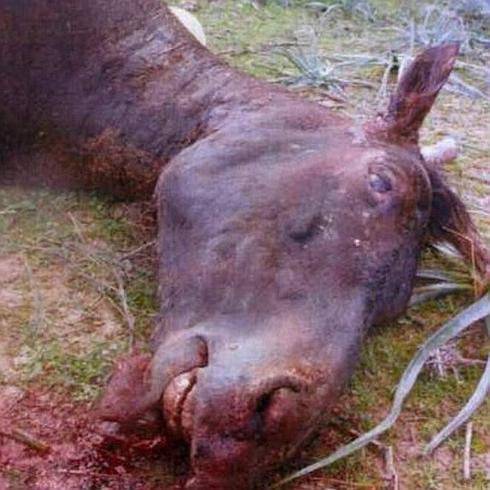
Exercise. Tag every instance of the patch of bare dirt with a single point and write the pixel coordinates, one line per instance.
(11, 268)
(50, 443)
(7, 372)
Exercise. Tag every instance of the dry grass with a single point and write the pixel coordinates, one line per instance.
(76, 289)
(71, 287)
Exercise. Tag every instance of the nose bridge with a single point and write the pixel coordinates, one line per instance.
(232, 390)
(283, 353)
(252, 382)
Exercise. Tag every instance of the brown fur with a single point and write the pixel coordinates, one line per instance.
(285, 231)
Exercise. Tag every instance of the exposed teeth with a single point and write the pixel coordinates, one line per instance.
(175, 409)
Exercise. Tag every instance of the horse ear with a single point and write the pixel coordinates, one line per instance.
(416, 92)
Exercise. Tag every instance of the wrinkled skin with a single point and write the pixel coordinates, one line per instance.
(285, 231)
(282, 289)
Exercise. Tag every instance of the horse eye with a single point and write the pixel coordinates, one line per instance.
(379, 183)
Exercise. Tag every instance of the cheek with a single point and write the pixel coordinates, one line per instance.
(391, 283)
(287, 285)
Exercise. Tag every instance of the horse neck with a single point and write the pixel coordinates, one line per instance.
(104, 94)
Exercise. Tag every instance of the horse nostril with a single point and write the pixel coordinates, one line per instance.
(274, 408)
(264, 402)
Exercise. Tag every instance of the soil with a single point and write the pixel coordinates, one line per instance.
(49, 443)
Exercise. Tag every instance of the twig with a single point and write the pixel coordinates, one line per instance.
(470, 362)
(438, 363)
(383, 90)
(93, 474)
(37, 318)
(391, 472)
(349, 484)
(137, 250)
(236, 52)
(26, 439)
(467, 451)
(104, 287)
(123, 299)
(120, 303)
(77, 228)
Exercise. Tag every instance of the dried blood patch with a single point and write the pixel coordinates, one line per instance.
(49, 443)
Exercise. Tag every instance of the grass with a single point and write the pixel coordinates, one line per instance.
(451, 329)
(63, 320)
(61, 317)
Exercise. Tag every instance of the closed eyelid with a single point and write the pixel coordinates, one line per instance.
(380, 183)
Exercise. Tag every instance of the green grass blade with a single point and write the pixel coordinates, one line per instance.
(435, 274)
(478, 310)
(444, 275)
(432, 291)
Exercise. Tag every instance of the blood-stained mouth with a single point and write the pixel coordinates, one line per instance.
(177, 404)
